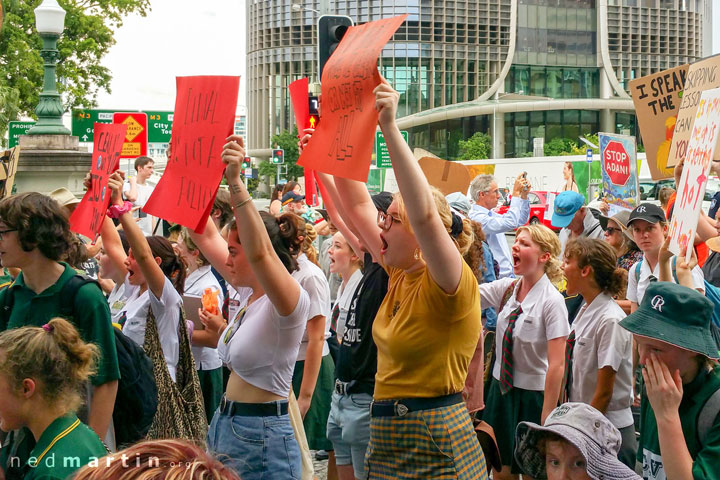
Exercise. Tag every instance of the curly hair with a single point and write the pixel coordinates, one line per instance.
(308, 247)
(54, 356)
(40, 223)
(474, 256)
(284, 236)
(548, 242)
(600, 256)
(77, 253)
(158, 460)
(462, 241)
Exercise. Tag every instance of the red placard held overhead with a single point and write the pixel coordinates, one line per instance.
(299, 97)
(136, 136)
(343, 142)
(90, 213)
(203, 119)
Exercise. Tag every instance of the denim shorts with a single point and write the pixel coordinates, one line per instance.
(349, 430)
(257, 448)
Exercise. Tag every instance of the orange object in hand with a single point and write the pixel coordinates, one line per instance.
(210, 301)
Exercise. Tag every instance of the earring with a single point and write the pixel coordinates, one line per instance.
(418, 254)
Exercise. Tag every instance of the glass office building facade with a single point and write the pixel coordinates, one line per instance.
(450, 52)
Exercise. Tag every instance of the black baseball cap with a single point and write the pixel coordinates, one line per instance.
(649, 212)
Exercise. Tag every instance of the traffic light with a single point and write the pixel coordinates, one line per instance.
(246, 162)
(331, 29)
(278, 156)
(314, 117)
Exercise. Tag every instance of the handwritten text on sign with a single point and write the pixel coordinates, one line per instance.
(342, 144)
(701, 147)
(701, 76)
(203, 119)
(90, 213)
(657, 98)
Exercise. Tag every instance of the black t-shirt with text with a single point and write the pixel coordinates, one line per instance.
(357, 357)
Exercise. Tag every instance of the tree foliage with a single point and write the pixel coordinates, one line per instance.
(477, 147)
(287, 140)
(88, 36)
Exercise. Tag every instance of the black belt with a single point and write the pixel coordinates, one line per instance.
(400, 408)
(272, 409)
(348, 388)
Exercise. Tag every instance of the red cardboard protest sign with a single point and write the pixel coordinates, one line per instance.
(90, 212)
(343, 142)
(203, 119)
(299, 97)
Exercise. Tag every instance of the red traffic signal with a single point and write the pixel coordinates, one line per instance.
(278, 155)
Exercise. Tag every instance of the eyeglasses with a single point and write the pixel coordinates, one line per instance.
(385, 221)
(611, 230)
(3, 232)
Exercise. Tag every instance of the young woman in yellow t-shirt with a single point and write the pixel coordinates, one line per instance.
(428, 326)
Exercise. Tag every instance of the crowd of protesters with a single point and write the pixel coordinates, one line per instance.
(401, 334)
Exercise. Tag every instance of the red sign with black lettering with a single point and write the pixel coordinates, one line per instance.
(617, 163)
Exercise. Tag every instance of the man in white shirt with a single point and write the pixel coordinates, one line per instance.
(484, 192)
(137, 191)
(575, 219)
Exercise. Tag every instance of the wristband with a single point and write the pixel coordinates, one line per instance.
(243, 203)
(115, 211)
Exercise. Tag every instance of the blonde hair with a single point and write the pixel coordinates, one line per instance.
(54, 356)
(548, 242)
(466, 237)
(307, 246)
(192, 247)
(158, 460)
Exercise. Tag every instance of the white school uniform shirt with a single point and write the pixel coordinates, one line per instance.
(312, 279)
(344, 299)
(167, 316)
(118, 297)
(143, 194)
(206, 358)
(636, 290)
(544, 317)
(601, 342)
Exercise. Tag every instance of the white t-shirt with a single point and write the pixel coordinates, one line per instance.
(118, 298)
(237, 299)
(261, 346)
(344, 299)
(143, 193)
(591, 229)
(206, 358)
(601, 342)
(167, 316)
(636, 290)
(544, 317)
(313, 281)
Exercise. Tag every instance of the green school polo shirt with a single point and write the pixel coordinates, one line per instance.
(91, 317)
(705, 456)
(63, 448)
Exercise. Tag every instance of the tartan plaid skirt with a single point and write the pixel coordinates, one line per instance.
(439, 443)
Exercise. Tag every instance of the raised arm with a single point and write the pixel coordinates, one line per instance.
(443, 259)
(329, 193)
(280, 287)
(213, 247)
(113, 248)
(136, 238)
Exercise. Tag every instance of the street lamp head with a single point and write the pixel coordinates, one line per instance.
(296, 7)
(50, 18)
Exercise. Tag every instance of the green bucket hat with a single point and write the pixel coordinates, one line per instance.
(676, 315)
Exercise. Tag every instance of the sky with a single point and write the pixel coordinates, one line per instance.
(176, 38)
(189, 37)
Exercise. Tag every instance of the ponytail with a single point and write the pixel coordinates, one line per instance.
(54, 356)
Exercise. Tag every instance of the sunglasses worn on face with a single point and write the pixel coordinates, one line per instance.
(611, 230)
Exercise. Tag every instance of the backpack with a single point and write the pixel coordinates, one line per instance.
(136, 400)
(712, 293)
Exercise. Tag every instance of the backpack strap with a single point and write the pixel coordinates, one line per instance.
(508, 293)
(638, 267)
(707, 416)
(69, 292)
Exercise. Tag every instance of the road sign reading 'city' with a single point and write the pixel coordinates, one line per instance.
(136, 137)
(159, 125)
(15, 130)
(382, 157)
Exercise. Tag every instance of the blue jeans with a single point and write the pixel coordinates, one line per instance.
(349, 430)
(257, 448)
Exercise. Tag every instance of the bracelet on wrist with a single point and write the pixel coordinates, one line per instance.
(243, 203)
(115, 211)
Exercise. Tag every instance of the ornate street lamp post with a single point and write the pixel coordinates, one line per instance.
(50, 23)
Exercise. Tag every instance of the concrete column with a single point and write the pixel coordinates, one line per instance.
(497, 132)
(607, 117)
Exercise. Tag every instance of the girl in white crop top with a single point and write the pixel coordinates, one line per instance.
(261, 343)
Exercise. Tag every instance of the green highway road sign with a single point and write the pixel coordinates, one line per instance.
(15, 129)
(83, 121)
(382, 157)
